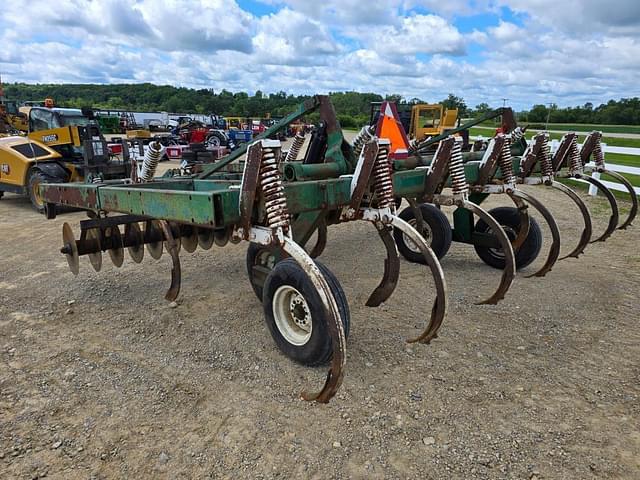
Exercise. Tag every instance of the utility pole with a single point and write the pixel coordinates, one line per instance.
(546, 126)
(504, 102)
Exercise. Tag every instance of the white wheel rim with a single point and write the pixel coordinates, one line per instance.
(292, 315)
(426, 233)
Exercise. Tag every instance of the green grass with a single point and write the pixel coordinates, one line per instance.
(614, 142)
(577, 127)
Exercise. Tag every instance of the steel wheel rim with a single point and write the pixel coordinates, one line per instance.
(35, 190)
(427, 233)
(292, 315)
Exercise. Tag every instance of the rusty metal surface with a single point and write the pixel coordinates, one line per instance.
(439, 308)
(525, 222)
(632, 193)
(488, 169)
(613, 219)
(391, 268)
(439, 168)
(509, 272)
(134, 240)
(362, 174)
(586, 218)
(172, 248)
(334, 324)
(249, 185)
(70, 249)
(560, 157)
(554, 251)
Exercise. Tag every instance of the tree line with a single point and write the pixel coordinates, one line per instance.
(353, 107)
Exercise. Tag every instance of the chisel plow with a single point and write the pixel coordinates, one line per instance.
(276, 203)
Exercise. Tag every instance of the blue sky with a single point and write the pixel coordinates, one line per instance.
(529, 51)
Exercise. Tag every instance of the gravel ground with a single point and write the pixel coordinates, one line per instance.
(100, 378)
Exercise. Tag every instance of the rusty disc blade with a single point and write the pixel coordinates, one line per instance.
(95, 259)
(221, 236)
(135, 239)
(152, 229)
(116, 253)
(69, 242)
(190, 241)
(205, 238)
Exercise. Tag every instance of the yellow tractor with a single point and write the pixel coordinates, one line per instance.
(428, 120)
(63, 145)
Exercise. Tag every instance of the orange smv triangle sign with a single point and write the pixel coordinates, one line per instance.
(389, 127)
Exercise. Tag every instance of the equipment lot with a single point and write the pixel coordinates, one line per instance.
(100, 378)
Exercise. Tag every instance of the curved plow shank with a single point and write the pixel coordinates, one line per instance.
(321, 241)
(634, 198)
(525, 223)
(176, 275)
(509, 272)
(391, 268)
(613, 219)
(586, 217)
(554, 251)
(336, 330)
(439, 309)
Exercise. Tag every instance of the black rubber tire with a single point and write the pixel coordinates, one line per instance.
(441, 233)
(215, 137)
(253, 253)
(317, 350)
(510, 218)
(36, 178)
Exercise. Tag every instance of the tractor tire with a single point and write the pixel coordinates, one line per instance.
(509, 219)
(215, 139)
(438, 233)
(36, 178)
(295, 315)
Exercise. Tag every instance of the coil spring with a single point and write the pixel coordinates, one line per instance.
(598, 155)
(506, 162)
(575, 163)
(382, 182)
(292, 154)
(150, 162)
(546, 164)
(456, 170)
(516, 135)
(273, 191)
(364, 135)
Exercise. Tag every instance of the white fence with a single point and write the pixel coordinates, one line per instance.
(593, 191)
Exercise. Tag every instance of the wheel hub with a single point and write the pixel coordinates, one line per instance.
(292, 315)
(426, 233)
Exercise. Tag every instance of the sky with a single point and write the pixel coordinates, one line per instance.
(568, 52)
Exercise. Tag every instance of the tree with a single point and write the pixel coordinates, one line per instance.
(453, 102)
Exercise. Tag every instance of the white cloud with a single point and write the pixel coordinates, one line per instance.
(567, 52)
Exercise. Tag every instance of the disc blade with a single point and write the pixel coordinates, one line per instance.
(205, 238)
(69, 243)
(154, 248)
(190, 242)
(135, 239)
(221, 236)
(117, 252)
(93, 234)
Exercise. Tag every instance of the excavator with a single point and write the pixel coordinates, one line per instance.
(62, 145)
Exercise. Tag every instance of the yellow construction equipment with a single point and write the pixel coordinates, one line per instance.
(62, 145)
(428, 120)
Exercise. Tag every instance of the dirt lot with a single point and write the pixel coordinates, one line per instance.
(99, 378)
